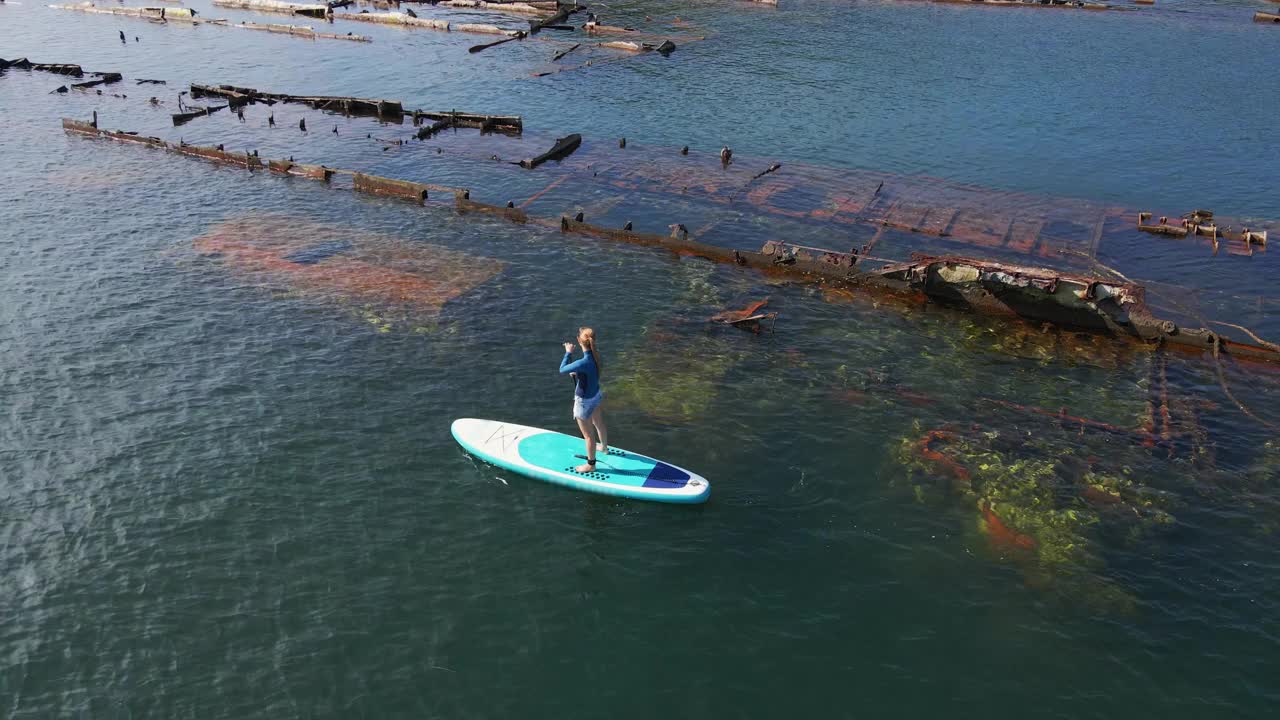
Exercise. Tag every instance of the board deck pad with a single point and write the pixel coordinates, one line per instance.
(552, 456)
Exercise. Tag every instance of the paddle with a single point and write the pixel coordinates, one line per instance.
(477, 48)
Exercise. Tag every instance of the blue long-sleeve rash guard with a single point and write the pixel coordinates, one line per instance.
(588, 375)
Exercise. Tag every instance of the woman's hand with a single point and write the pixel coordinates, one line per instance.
(568, 347)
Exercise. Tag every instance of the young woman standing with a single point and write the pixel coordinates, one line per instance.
(588, 396)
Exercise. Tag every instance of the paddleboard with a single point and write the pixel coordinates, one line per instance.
(551, 457)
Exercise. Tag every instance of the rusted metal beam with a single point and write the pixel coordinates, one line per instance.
(302, 31)
(303, 170)
(91, 129)
(367, 107)
(465, 205)
(218, 155)
(277, 6)
(403, 189)
(358, 106)
(482, 29)
(179, 14)
(235, 97)
(506, 124)
(396, 18)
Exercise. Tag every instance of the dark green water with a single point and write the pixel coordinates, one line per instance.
(233, 494)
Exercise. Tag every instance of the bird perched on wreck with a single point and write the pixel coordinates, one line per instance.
(335, 129)
(410, 12)
(271, 120)
(726, 155)
(679, 231)
(122, 40)
(302, 124)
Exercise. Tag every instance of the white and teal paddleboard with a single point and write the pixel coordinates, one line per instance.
(551, 456)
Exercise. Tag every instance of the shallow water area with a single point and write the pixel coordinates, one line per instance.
(226, 474)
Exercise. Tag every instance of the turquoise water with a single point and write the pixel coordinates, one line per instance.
(228, 486)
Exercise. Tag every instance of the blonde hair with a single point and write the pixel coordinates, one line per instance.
(587, 339)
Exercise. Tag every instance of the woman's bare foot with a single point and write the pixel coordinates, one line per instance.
(585, 468)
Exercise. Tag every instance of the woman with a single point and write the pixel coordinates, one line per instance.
(588, 396)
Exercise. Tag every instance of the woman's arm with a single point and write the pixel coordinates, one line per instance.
(567, 365)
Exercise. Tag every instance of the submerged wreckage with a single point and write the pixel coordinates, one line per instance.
(1114, 308)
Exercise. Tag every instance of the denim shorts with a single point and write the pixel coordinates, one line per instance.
(583, 407)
